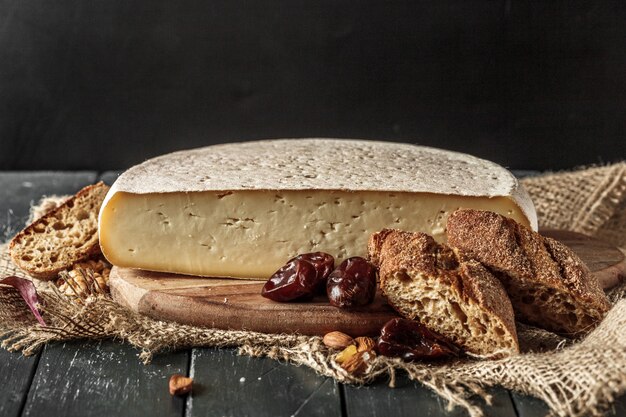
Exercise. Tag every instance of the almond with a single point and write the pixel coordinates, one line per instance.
(337, 340)
(364, 344)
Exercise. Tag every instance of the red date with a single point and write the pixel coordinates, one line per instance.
(300, 278)
(323, 264)
(411, 341)
(352, 284)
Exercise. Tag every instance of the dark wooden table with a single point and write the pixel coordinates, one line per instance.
(106, 378)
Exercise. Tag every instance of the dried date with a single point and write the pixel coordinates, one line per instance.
(323, 264)
(352, 284)
(411, 341)
(301, 277)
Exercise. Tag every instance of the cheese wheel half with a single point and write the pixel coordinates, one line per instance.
(243, 209)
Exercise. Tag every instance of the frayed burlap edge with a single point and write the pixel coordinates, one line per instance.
(572, 378)
(590, 201)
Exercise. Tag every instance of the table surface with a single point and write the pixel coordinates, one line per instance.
(105, 378)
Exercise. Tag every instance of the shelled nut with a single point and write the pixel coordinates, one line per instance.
(364, 344)
(337, 340)
(180, 385)
(357, 364)
(346, 354)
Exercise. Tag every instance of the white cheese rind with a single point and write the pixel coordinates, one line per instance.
(214, 211)
(250, 234)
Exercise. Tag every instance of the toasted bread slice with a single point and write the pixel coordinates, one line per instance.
(548, 284)
(62, 237)
(461, 300)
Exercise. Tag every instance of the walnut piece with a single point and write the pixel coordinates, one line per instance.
(356, 357)
(85, 278)
(364, 344)
(180, 384)
(358, 363)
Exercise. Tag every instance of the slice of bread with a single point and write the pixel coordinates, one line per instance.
(62, 237)
(548, 284)
(426, 281)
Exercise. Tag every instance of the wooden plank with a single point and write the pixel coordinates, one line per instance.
(103, 378)
(18, 191)
(232, 385)
(16, 374)
(618, 408)
(412, 398)
(109, 177)
(527, 406)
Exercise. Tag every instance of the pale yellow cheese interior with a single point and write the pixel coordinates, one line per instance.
(250, 234)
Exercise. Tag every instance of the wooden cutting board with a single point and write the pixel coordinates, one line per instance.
(237, 304)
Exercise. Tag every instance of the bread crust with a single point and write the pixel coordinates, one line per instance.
(524, 259)
(39, 231)
(415, 253)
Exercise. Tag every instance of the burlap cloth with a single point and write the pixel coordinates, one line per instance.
(573, 377)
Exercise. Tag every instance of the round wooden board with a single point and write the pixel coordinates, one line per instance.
(237, 304)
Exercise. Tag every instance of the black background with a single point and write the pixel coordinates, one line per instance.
(106, 84)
